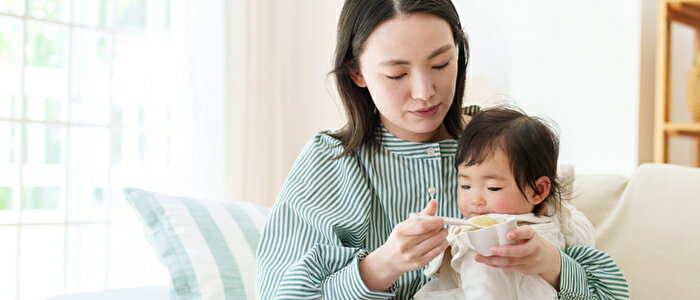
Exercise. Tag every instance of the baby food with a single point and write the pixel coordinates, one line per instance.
(484, 221)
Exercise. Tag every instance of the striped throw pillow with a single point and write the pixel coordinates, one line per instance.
(208, 247)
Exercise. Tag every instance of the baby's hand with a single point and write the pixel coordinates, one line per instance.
(531, 254)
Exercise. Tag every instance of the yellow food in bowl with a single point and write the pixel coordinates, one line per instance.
(484, 221)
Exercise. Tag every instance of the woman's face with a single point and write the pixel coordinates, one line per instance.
(409, 66)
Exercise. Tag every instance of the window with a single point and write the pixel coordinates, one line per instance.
(92, 100)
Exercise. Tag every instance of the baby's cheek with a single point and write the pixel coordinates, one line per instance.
(462, 204)
(502, 207)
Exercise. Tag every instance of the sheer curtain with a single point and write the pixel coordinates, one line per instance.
(278, 92)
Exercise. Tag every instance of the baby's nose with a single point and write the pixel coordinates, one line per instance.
(478, 201)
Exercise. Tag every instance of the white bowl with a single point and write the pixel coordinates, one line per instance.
(495, 235)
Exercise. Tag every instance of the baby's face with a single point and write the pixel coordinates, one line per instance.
(491, 188)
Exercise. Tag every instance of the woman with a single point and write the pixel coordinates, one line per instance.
(339, 228)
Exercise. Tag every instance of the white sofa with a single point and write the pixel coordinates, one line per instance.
(648, 223)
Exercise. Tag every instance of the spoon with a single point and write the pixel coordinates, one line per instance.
(447, 220)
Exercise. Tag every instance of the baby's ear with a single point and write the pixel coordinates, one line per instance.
(543, 184)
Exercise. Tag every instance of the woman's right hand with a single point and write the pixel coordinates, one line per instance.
(412, 244)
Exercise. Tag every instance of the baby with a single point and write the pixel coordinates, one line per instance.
(507, 167)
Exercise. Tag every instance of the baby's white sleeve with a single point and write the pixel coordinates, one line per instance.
(577, 230)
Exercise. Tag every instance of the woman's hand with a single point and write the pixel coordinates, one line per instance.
(412, 244)
(531, 254)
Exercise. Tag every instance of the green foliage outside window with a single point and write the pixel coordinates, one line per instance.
(130, 14)
(103, 49)
(98, 199)
(53, 145)
(45, 46)
(5, 197)
(103, 13)
(24, 144)
(116, 151)
(42, 198)
(11, 6)
(14, 149)
(53, 109)
(8, 38)
(54, 10)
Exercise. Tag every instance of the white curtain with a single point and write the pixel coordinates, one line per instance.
(279, 94)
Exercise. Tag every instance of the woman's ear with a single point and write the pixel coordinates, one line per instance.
(543, 185)
(358, 79)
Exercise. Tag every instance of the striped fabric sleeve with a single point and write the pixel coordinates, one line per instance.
(470, 110)
(319, 265)
(301, 252)
(587, 273)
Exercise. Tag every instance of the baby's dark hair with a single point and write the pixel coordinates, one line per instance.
(531, 145)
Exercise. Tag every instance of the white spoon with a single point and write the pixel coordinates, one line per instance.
(447, 220)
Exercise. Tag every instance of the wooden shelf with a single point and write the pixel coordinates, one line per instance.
(686, 12)
(686, 129)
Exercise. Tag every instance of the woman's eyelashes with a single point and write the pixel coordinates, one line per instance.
(442, 66)
(397, 77)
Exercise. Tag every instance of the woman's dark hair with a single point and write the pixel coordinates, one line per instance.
(357, 20)
(530, 144)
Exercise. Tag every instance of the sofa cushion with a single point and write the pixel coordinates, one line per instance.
(652, 232)
(596, 194)
(208, 247)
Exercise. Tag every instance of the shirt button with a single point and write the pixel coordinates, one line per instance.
(431, 191)
(431, 151)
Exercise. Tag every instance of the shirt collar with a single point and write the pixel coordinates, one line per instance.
(402, 147)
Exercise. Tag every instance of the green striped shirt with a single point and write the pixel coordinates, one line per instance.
(329, 212)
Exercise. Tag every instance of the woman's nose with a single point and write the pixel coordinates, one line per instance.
(423, 88)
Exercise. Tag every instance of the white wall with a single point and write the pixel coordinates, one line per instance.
(576, 62)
